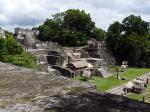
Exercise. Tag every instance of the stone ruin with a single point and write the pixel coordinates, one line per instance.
(2, 33)
(26, 37)
(55, 58)
(77, 60)
(138, 86)
(100, 50)
(72, 60)
(25, 90)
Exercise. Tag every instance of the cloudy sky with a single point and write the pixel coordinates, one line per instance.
(29, 13)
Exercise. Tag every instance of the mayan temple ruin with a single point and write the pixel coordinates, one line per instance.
(74, 56)
(47, 93)
(94, 57)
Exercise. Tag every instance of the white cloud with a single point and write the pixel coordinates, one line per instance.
(28, 13)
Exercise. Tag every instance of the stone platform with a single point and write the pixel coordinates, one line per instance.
(25, 90)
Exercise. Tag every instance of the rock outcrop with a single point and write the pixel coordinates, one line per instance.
(93, 102)
(25, 90)
(22, 89)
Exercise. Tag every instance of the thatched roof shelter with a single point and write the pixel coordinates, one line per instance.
(80, 64)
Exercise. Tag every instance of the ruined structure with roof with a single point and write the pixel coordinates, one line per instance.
(27, 90)
(79, 59)
(73, 60)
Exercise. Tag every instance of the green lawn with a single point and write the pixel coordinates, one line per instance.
(111, 82)
(140, 96)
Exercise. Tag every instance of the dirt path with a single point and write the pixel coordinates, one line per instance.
(119, 90)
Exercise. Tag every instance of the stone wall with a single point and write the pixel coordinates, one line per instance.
(100, 50)
(64, 71)
(55, 58)
(43, 67)
(26, 37)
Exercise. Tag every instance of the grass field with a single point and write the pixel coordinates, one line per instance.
(111, 82)
(140, 96)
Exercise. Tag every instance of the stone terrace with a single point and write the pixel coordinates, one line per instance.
(21, 88)
(25, 90)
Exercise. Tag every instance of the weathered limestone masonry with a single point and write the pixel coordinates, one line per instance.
(95, 102)
(27, 38)
(94, 56)
(120, 89)
(2, 33)
(22, 89)
(25, 90)
(75, 60)
(100, 50)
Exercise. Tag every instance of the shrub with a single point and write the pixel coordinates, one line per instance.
(24, 59)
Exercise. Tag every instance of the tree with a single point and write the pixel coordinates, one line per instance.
(76, 20)
(130, 40)
(48, 31)
(72, 27)
(134, 24)
(114, 35)
(98, 34)
(3, 49)
(12, 46)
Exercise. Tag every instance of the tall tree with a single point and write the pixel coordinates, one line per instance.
(130, 40)
(114, 35)
(76, 20)
(98, 34)
(72, 27)
(135, 24)
(49, 30)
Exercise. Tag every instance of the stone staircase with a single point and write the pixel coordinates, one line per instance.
(101, 51)
(30, 40)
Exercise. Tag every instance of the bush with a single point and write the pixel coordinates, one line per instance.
(25, 59)
(12, 52)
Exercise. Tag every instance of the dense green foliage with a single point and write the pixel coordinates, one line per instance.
(9, 46)
(11, 52)
(72, 27)
(130, 40)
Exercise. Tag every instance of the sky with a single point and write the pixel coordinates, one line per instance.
(31, 13)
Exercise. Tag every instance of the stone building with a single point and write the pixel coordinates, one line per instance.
(73, 59)
(55, 58)
(70, 60)
(139, 86)
(26, 37)
(2, 33)
(79, 66)
(100, 50)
